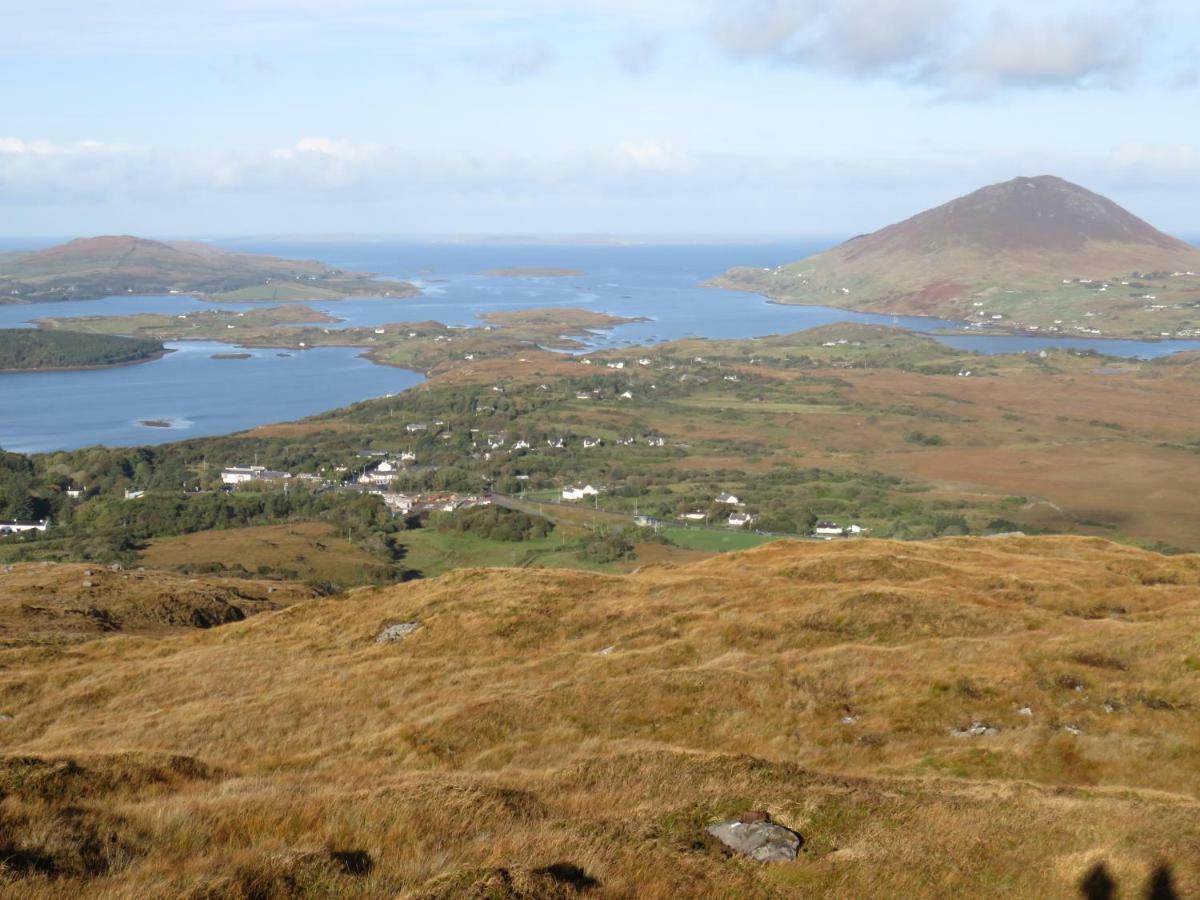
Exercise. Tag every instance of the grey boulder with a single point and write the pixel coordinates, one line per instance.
(397, 632)
(763, 841)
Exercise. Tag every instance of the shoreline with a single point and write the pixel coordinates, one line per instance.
(1041, 335)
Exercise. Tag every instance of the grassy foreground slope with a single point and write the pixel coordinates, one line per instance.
(967, 717)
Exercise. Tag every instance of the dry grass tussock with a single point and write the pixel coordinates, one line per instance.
(969, 716)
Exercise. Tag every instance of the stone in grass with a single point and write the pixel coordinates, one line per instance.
(756, 836)
(397, 632)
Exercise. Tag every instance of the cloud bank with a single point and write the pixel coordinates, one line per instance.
(954, 47)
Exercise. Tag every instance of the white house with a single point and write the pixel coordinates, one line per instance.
(728, 499)
(133, 495)
(381, 474)
(400, 504)
(408, 457)
(241, 474)
(740, 520)
(656, 441)
(17, 526)
(589, 443)
(579, 492)
(414, 427)
(695, 515)
(829, 529)
(521, 445)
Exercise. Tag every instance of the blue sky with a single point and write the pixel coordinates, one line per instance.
(659, 117)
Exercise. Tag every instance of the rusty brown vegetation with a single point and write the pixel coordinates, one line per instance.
(976, 717)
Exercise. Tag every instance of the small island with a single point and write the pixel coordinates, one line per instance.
(533, 272)
(231, 356)
(155, 423)
(27, 349)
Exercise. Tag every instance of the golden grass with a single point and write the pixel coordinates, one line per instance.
(556, 733)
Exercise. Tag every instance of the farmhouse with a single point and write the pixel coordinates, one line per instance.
(740, 520)
(579, 492)
(243, 474)
(19, 526)
(829, 529)
(728, 499)
(381, 474)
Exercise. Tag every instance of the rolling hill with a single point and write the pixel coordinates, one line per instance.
(102, 266)
(1039, 252)
(968, 717)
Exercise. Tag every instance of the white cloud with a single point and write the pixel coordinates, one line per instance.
(1079, 51)
(955, 48)
(652, 155)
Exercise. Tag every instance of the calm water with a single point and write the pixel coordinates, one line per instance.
(198, 395)
(58, 410)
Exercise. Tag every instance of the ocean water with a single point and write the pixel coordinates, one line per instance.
(60, 410)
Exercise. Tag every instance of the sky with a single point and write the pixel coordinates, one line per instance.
(731, 118)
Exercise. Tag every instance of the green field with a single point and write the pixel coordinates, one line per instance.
(714, 541)
(432, 552)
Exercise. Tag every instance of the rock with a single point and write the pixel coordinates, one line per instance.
(87, 573)
(1024, 711)
(87, 584)
(397, 632)
(5, 717)
(116, 567)
(756, 836)
(605, 651)
(975, 729)
(849, 720)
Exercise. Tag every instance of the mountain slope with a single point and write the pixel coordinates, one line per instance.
(974, 717)
(1029, 251)
(99, 266)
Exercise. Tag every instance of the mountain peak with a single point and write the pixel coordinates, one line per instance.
(1041, 214)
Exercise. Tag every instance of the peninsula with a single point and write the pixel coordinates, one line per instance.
(89, 268)
(1037, 255)
(26, 349)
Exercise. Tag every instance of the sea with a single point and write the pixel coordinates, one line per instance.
(188, 393)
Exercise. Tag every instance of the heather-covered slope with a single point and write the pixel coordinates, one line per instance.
(1030, 250)
(987, 717)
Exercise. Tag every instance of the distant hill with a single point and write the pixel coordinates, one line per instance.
(122, 264)
(1029, 251)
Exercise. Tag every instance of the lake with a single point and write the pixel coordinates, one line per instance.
(203, 396)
